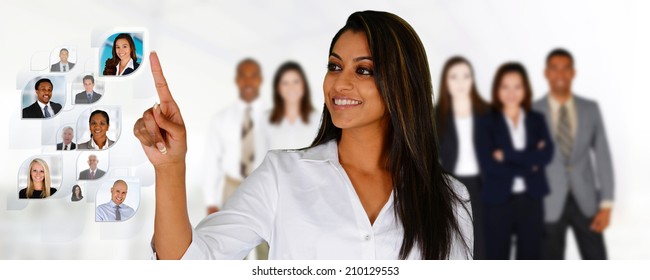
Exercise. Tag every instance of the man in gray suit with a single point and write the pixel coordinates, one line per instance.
(63, 65)
(580, 176)
(92, 173)
(89, 95)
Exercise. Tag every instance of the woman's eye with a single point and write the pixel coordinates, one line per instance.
(333, 67)
(364, 71)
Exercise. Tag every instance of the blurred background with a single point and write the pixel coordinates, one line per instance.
(201, 41)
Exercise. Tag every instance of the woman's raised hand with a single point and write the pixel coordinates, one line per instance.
(161, 129)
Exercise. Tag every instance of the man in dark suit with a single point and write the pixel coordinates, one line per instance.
(89, 95)
(581, 176)
(42, 108)
(92, 173)
(63, 65)
(67, 144)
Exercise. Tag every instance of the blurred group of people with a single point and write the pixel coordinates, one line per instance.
(533, 169)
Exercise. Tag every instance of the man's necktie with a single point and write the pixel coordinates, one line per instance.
(64, 68)
(118, 216)
(564, 137)
(248, 149)
(66, 148)
(46, 112)
(90, 98)
(92, 174)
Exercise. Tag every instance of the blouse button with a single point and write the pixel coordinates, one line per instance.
(366, 237)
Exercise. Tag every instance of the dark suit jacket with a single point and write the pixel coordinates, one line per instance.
(59, 146)
(34, 111)
(497, 176)
(85, 175)
(449, 142)
(129, 70)
(56, 67)
(82, 98)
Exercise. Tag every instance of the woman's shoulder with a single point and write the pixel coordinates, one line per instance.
(52, 191)
(84, 146)
(459, 188)
(322, 152)
(22, 193)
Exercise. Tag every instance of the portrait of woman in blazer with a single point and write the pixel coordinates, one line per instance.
(459, 106)
(39, 183)
(76, 193)
(369, 187)
(514, 149)
(99, 122)
(124, 60)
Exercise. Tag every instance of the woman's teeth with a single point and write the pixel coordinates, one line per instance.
(342, 102)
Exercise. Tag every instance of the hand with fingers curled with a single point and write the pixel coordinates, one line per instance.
(161, 129)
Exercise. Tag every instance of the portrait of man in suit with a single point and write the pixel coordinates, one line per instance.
(92, 173)
(63, 65)
(43, 107)
(89, 95)
(581, 175)
(67, 136)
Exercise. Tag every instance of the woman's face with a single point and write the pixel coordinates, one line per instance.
(291, 87)
(123, 49)
(37, 172)
(98, 126)
(77, 190)
(511, 90)
(459, 80)
(351, 94)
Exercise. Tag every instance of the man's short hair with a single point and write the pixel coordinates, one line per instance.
(68, 128)
(43, 80)
(63, 50)
(559, 52)
(247, 61)
(88, 77)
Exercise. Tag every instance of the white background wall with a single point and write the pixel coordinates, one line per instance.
(200, 42)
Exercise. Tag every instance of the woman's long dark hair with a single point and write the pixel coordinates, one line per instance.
(424, 196)
(74, 198)
(444, 105)
(278, 103)
(112, 62)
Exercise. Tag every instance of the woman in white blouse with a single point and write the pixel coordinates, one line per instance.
(99, 122)
(369, 187)
(124, 60)
(293, 122)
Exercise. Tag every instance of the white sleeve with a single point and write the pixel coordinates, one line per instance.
(244, 222)
(462, 247)
(213, 180)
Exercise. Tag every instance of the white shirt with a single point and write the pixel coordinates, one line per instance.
(49, 108)
(106, 212)
(128, 65)
(518, 137)
(467, 164)
(223, 150)
(94, 145)
(287, 135)
(304, 205)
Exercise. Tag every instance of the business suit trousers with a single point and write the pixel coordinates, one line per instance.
(520, 216)
(230, 186)
(591, 244)
(473, 184)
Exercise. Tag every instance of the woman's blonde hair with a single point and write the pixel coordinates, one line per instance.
(47, 181)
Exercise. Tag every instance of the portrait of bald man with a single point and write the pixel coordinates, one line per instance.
(115, 209)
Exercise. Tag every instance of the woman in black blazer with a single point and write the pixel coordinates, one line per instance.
(514, 149)
(124, 60)
(459, 105)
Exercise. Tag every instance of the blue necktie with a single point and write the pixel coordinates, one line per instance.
(47, 113)
(89, 98)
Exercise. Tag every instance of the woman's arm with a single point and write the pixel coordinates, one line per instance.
(161, 132)
(538, 155)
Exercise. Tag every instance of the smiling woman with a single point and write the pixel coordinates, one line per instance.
(99, 123)
(369, 187)
(124, 60)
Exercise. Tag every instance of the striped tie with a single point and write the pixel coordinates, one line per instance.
(248, 150)
(46, 112)
(564, 138)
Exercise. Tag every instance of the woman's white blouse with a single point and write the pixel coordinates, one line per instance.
(304, 205)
